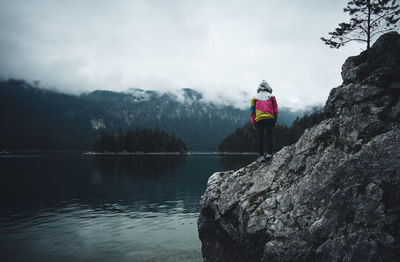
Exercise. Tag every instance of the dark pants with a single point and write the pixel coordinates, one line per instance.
(268, 126)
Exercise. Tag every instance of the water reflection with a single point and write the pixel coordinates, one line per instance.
(68, 207)
(113, 232)
(234, 162)
(142, 166)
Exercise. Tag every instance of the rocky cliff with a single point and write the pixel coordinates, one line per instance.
(332, 196)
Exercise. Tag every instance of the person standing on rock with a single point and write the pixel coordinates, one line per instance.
(263, 115)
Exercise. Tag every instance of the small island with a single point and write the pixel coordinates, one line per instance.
(138, 141)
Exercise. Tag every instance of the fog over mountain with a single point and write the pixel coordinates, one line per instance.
(40, 119)
(219, 48)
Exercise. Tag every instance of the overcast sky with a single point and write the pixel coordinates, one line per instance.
(220, 48)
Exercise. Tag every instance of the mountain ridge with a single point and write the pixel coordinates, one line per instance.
(42, 119)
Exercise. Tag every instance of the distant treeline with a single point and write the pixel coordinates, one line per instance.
(138, 140)
(244, 139)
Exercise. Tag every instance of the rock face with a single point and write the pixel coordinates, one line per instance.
(332, 196)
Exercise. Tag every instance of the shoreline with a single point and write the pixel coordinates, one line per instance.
(134, 153)
(169, 153)
(33, 152)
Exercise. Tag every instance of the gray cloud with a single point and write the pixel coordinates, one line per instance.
(221, 48)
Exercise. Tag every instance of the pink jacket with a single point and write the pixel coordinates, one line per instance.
(263, 109)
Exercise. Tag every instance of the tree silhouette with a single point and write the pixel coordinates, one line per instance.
(138, 140)
(244, 138)
(368, 19)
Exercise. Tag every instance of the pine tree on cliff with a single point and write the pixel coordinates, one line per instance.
(368, 19)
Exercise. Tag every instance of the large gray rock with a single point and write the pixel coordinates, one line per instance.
(332, 196)
(379, 65)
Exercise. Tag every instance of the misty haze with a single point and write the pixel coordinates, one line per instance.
(186, 130)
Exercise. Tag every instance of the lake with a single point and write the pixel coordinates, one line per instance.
(76, 207)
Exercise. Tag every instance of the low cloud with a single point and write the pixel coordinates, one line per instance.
(223, 49)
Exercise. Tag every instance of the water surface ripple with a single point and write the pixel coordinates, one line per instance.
(73, 207)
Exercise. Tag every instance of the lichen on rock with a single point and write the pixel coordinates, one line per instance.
(332, 196)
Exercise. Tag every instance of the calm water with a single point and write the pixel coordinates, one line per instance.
(74, 207)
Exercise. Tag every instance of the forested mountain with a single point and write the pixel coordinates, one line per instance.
(36, 119)
(40, 119)
(244, 139)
